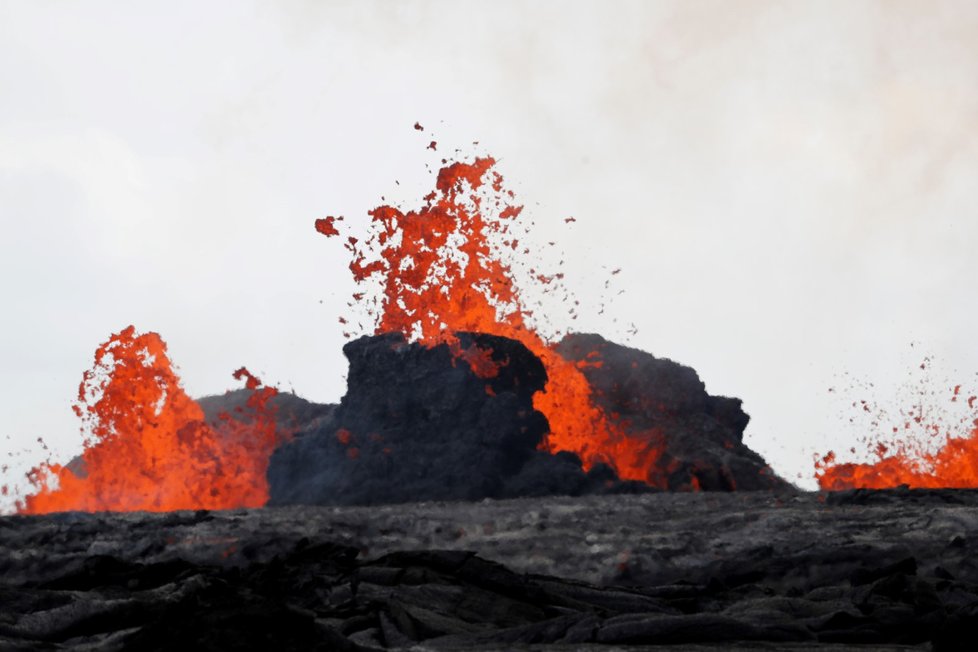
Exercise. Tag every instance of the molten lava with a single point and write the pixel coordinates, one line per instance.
(441, 270)
(148, 446)
(954, 466)
(912, 460)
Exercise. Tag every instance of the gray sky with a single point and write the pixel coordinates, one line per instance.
(788, 187)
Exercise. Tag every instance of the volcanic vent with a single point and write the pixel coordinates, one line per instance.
(446, 270)
(446, 273)
(149, 446)
(419, 424)
(931, 441)
(455, 394)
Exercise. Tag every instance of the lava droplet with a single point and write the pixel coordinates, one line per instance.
(327, 226)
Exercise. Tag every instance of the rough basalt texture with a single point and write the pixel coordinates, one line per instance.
(659, 400)
(864, 570)
(418, 424)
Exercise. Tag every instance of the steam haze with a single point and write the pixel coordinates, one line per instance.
(788, 188)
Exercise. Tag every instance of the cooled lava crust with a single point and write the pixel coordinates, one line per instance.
(867, 570)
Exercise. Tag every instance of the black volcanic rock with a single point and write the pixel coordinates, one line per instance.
(418, 424)
(689, 571)
(667, 404)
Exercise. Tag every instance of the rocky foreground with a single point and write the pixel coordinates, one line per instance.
(884, 570)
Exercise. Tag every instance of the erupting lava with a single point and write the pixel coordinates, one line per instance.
(441, 271)
(148, 446)
(910, 460)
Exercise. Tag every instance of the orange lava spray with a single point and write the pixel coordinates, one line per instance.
(148, 446)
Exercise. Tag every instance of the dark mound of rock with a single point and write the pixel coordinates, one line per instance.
(418, 423)
(666, 403)
(291, 412)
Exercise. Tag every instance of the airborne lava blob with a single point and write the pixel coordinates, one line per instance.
(149, 447)
(441, 269)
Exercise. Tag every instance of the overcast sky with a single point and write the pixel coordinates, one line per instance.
(789, 188)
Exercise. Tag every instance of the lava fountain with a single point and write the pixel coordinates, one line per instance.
(442, 269)
(148, 446)
(922, 448)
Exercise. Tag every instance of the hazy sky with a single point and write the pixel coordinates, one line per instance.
(789, 188)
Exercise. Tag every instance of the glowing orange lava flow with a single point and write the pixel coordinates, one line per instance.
(441, 271)
(149, 447)
(953, 465)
